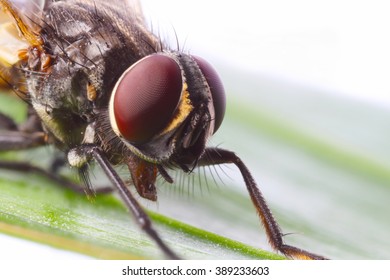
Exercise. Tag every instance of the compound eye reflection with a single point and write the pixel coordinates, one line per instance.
(216, 88)
(146, 97)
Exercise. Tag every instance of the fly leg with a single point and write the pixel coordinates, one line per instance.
(88, 151)
(20, 137)
(29, 135)
(6, 123)
(25, 167)
(59, 162)
(215, 156)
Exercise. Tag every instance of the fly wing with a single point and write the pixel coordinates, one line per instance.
(10, 42)
(19, 28)
(26, 14)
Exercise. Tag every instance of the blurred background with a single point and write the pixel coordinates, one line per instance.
(340, 46)
(308, 112)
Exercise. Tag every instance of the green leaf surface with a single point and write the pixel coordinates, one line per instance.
(322, 162)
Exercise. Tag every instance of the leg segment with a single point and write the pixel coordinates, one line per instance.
(133, 206)
(18, 140)
(215, 156)
(7, 123)
(27, 135)
(28, 168)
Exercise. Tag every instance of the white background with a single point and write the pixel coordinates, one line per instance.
(342, 45)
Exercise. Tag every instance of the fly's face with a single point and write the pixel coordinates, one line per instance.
(165, 107)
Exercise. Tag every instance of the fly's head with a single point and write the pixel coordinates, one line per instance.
(83, 57)
(166, 106)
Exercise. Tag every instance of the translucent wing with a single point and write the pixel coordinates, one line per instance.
(19, 28)
(27, 17)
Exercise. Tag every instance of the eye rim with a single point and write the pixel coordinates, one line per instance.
(217, 89)
(168, 113)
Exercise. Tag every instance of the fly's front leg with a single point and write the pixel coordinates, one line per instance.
(215, 156)
(78, 157)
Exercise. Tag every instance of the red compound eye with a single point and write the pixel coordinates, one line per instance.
(146, 97)
(216, 88)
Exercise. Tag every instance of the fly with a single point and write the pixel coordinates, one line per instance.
(101, 87)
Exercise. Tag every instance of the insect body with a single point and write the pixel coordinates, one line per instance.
(101, 87)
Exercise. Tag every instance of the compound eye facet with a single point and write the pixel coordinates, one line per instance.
(216, 88)
(146, 97)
